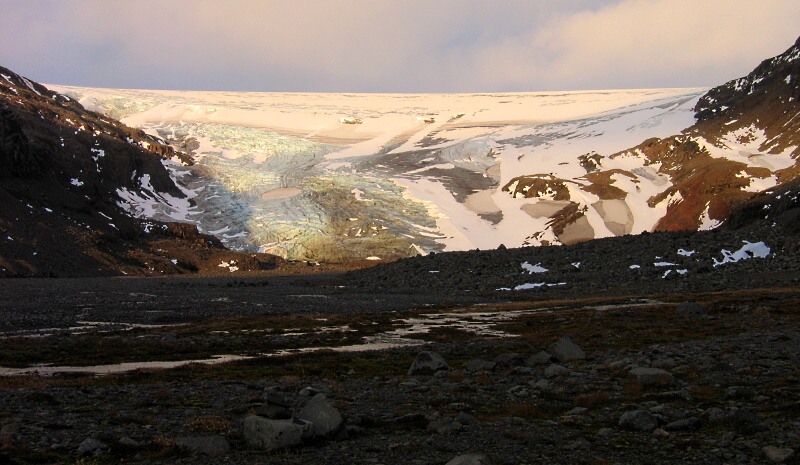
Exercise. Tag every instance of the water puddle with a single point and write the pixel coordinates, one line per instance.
(84, 327)
(406, 333)
(44, 370)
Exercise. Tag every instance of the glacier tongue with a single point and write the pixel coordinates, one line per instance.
(333, 177)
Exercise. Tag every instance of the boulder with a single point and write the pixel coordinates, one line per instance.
(651, 376)
(444, 426)
(540, 358)
(778, 454)
(92, 446)
(325, 419)
(565, 350)
(427, 363)
(638, 420)
(555, 370)
(268, 434)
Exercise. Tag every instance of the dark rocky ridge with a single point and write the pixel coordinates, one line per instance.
(61, 167)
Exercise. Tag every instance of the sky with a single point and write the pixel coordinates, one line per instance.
(403, 46)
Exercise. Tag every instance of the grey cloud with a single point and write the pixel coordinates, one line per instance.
(382, 45)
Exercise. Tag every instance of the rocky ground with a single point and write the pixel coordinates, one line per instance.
(619, 365)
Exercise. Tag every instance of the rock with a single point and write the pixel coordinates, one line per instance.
(651, 376)
(470, 459)
(715, 416)
(684, 424)
(307, 391)
(269, 435)
(427, 363)
(778, 454)
(326, 420)
(126, 441)
(638, 420)
(477, 365)
(508, 359)
(466, 419)
(564, 350)
(690, 308)
(660, 434)
(540, 358)
(555, 370)
(92, 446)
(518, 391)
(212, 446)
(744, 421)
(541, 384)
(445, 426)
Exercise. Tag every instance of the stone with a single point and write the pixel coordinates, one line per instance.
(268, 434)
(474, 366)
(745, 421)
(211, 446)
(445, 426)
(651, 376)
(92, 446)
(555, 370)
(427, 363)
(684, 424)
(308, 391)
(660, 434)
(638, 420)
(126, 441)
(326, 419)
(470, 459)
(539, 358)
(564, 350)
(715, 416)
(691, 308)
(508, 359)
(778, 454)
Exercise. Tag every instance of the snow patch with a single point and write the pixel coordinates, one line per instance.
(531, 269)
(749, 250)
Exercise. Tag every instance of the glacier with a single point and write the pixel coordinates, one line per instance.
(338, 177)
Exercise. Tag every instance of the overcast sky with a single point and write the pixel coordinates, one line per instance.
(392, 45)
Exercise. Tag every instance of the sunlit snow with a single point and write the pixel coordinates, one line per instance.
(327, 176)
(747, 251)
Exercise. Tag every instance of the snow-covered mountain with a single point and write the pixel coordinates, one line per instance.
(368, 176)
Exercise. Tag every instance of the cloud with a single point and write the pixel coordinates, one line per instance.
(644, 43)
(384, 45)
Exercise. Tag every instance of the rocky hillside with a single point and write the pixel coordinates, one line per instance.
(745, 141)
(68, 181)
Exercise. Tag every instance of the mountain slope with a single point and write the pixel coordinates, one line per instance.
(65, 174)
(297, 175)
(343, 177)
(746, 140)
